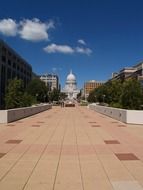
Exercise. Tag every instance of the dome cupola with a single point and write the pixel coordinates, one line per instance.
(71, 77)
(71, 87)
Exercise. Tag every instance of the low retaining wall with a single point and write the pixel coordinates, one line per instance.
(126, 116)
(10, 115)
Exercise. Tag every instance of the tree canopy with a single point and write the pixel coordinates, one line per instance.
(15, 96)
(54, 95)
(127, 94)
(37, 89)
(132, 95)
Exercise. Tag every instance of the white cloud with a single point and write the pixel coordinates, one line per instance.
(34, 30)
(54, 48)
(81, 50)
(56, 69)
(81, 41)
(8, 27)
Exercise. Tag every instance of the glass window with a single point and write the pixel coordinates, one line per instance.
(3, 58)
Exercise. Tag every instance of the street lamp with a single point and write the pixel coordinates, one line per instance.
(44, 98)
(95, 98)
(103, 97)
(49, 96)
(36, 96)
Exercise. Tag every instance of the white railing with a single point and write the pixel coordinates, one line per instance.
(10, 115)
(123, 115)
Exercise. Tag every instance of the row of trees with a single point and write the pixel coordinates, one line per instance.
(127, 94)
(36, 92)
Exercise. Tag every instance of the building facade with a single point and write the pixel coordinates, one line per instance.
(12, 66)
(70, 88)
(123, 74)
(91, 85)
(135, 72)
(51, 81)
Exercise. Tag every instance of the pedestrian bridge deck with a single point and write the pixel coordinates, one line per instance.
(71, 149)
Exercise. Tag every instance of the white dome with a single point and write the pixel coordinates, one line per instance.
(71, 77)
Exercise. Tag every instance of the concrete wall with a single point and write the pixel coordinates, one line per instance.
(135, 116)
(126, 116)
(10, 115)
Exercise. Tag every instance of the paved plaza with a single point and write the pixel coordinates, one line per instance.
(70, 149)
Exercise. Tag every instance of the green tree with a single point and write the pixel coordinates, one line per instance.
(14, 94)
(113, 91)
(100, 93)
(92, 97)
(79, 95)
(54, 95)
(132, 94)
(62, 95)
(38, 89)
(28, 100)
(108, 93)
(127, 94)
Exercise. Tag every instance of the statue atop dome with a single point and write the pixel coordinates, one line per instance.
(71, 86)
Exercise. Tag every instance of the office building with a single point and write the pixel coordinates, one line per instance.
(91, 85)
(12, 66)
(51, 81)
(135, 72)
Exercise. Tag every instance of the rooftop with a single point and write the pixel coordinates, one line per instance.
(95, 81)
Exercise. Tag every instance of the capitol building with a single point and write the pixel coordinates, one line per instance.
(70, 88)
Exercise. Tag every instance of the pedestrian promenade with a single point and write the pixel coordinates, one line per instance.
(70, 149)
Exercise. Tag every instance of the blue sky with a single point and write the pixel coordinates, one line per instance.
(92, 37)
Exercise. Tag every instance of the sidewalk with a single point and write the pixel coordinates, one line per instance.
(70, 149)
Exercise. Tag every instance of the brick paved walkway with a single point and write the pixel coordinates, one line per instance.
(71, 149)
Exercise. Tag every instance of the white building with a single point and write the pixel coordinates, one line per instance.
(71, 87)
(51, 80)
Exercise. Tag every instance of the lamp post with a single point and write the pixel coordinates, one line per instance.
(95, 97)
(49, 98)
(44, 98)
(103, 97)
(36, 96)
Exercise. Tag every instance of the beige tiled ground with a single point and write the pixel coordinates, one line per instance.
(71, 149)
